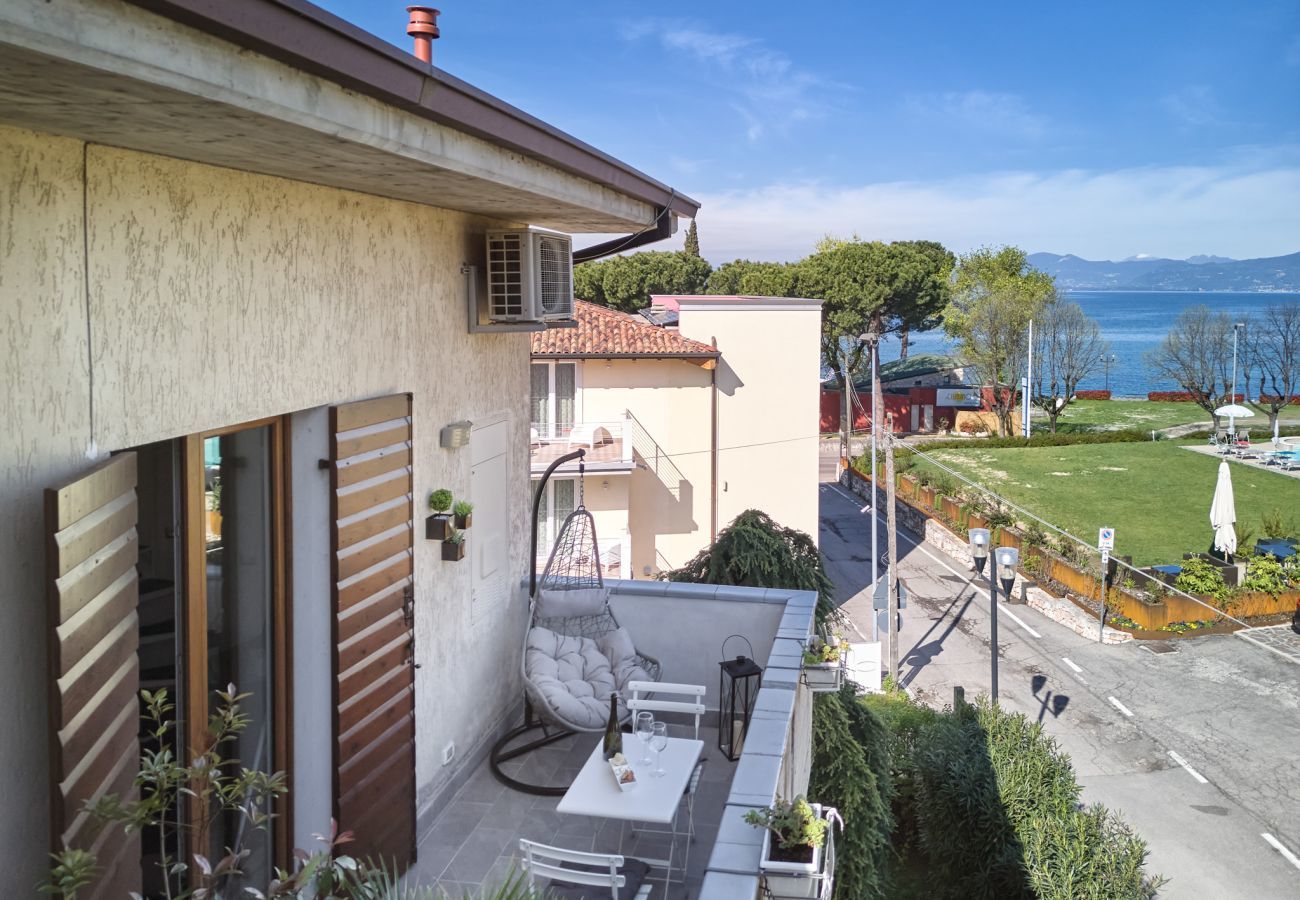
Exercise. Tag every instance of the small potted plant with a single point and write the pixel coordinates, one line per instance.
(794, 835)
(464, 512)
(823, 664)
(438, 526)
(453, 548)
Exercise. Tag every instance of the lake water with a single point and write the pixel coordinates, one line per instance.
(1133, 322)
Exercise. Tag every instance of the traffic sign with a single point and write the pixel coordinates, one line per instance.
(1106, 539)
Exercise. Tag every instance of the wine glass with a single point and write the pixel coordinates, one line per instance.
(659, 741)
(645, 722)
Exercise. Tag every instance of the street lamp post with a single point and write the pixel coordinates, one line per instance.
(1236, 327)
(1106, 360)
(872, 340)
(1004, 570)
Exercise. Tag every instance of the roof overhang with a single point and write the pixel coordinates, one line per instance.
(280, 87)
(703, 360)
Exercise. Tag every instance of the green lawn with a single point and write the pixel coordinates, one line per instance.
(1106, 415)
(1157, 496)
(1099, 415)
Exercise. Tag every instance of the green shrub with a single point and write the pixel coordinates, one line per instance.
(1043, 439)
(1272, 524)
(1035, 536)
(754, 551)
(905, 722)
(1265, 575)
(850, 771)
(998, 816)
(1199, 576)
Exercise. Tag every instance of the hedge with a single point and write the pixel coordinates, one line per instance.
(1092, 395)
(1181, 397)
(996, 810)
(850, 771)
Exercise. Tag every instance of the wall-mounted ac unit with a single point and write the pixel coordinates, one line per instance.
(529, 275)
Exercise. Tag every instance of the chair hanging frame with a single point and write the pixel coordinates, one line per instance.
(502, 751)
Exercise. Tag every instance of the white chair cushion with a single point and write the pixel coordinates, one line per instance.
(553, 603)
(621, 653)
(572, 674)
(576, 675)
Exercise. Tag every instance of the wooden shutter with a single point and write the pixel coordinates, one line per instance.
(374, 684)
(93, 630)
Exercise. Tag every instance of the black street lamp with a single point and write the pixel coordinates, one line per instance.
(1004, 570)
(1106, 360)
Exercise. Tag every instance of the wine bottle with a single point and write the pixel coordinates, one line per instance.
(613, 734)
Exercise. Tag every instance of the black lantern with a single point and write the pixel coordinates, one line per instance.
(739, 679)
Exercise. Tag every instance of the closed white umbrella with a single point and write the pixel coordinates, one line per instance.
(1223, 513)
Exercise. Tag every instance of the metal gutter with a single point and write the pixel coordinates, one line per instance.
(312, 40)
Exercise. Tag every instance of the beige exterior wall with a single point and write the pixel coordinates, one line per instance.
(769, 384)
(668, 499)
(153, 298)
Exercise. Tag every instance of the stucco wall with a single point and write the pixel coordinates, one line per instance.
(216, 297)
(769, 382)
(668, 512)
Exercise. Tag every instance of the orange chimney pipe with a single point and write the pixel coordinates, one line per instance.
(423, 26)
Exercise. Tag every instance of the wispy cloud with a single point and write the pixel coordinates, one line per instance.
(1233, 209)
(1195, 104)
(764, 87)
(991, 111)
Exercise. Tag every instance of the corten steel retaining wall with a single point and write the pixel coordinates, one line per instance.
(920, 503)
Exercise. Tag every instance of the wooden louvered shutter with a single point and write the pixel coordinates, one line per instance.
(374, 684)
(94, 670)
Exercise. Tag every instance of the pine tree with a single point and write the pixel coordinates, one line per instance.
(692, 247)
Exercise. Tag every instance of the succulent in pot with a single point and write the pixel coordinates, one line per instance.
(795, 833)
(464, 513)
(453, 546)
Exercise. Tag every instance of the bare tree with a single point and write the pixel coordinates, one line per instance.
(1067, 348)
(1273, 352)
(1196, 355)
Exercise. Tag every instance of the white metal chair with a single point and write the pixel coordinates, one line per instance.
(576, 869)
(637, 702)
(691, 707)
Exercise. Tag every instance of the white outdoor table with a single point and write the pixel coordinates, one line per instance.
(595, 793)
(655, 800)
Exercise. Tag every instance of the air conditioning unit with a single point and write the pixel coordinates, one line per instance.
(529, 275)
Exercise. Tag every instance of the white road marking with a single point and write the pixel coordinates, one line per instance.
(967, 575)
(1070, 663)
(1281, 848)
(1190, 771)
(1120, 706)
(1080, 679)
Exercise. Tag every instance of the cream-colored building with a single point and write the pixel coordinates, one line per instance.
(684, 426)
(239, 246)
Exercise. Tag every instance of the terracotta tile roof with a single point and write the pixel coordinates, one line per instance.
(606, 333)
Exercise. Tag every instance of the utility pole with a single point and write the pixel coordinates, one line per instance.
(1029, 379)
(872, 340)
(893, 549)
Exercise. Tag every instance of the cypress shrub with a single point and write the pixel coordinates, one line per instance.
(754, 551)
(850, 771)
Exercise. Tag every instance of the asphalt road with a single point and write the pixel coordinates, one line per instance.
(1198, 749)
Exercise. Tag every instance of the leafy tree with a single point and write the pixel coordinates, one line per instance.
(1196, 355)
(754, 551)
(692, 247)
(923, 311)
(1067, 348)
(872, 286)
(757, 279)
(626, 282)
(1273, 349)
(995, 296)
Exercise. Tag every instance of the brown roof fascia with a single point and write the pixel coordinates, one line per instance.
(308, 38)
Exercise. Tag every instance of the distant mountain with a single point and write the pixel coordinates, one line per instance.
(1150, 273)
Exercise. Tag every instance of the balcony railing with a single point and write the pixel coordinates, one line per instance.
(607, 442)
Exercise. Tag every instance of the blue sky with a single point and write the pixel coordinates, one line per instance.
(1101, 129)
